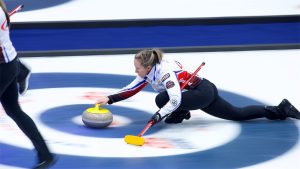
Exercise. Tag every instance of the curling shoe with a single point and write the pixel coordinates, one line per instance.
(47, 163)
(288, 110)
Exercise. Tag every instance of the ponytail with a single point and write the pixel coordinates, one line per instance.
(149, 57)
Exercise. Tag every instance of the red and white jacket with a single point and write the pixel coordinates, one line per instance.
(7, 50)
(166, 76)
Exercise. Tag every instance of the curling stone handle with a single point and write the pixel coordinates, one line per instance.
(97, 106)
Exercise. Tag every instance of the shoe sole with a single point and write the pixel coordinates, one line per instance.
(47, 164)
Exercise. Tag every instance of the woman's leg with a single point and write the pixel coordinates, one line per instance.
(206, 97)
(9, 100)
(223, 109)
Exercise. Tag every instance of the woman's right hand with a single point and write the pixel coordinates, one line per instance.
(103, 100)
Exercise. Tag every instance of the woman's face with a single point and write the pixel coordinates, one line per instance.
(141, 70)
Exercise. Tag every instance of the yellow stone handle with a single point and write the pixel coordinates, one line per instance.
(97, 110)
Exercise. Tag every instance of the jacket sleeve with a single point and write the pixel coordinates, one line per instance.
(173, 89)
(134, 87)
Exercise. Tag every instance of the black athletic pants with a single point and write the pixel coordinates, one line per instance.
(205, 97)
(9, 100)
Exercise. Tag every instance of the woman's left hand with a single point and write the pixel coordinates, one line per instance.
(103, 100)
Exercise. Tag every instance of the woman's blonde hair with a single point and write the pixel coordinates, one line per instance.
(149, 57)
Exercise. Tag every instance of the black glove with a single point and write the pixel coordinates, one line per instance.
(155, 118)
(178, 116)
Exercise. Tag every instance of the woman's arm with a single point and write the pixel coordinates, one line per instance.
(134, 87)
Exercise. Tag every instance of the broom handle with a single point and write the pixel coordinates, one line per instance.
(17, 9)
(196, 71)
(150, 123)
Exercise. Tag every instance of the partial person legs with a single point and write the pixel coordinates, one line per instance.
(222, 109)
(206, 98)
(10, 104)
(219, 107)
